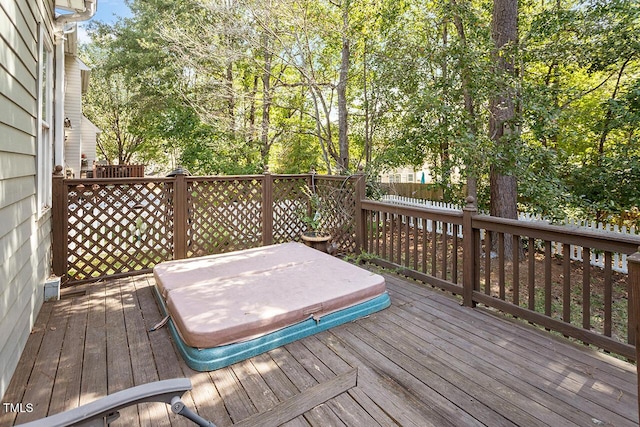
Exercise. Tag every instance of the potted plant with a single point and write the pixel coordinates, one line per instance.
(314, 236)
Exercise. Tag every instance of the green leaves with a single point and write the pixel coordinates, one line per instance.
(229, 87)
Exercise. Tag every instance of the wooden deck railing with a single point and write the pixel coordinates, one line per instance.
(118, 171)
(572, 298)
(122, 226)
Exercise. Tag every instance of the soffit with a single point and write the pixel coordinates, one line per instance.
(72, 5)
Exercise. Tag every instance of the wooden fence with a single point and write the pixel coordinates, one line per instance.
(122, 226)
(118, 171)
(511, 268)
(107, 227)
(575, 252)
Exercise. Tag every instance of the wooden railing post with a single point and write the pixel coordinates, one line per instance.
(267, 208)
(59, 223)
(361, 232)
(634, 291)
(469, 252)
(180, 215)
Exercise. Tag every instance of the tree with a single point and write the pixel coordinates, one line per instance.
(503, 127)
(514, 100)
(341, 89)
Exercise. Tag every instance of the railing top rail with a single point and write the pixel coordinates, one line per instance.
(579, 236)
(436, 214)
(337, 177)
(293, 176)
(130, 180)
(75, 181)
(225, 178)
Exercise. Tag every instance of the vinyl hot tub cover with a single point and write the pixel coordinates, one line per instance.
(228, 307)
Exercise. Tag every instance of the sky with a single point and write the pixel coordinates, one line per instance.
(108, 11)
(108, 8)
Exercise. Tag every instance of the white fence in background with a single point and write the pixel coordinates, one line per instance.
(619, 261)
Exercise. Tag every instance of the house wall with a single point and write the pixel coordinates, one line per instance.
(89, 139)
(406, 175)
(73, 110)
(25, 242)
(415, 175)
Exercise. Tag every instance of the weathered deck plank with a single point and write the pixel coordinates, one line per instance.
(542, 361)
(25, 367)
(119, 373)
(43, 373)
(66, 389)
(94, 372)
(424, 361)
(140, 353)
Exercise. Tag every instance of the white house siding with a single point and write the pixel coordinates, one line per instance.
(25, 242)
(89, 139)
(407, 175)
(73, 111)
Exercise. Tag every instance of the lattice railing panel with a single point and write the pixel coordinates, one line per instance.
(338, 197)
(118, 228)
(123, 226)
(223, 215)
(289, 205)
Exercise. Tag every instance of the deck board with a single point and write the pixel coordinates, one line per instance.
(66, 390)
(424, 361)
(94, 373)
(16, 394)
(43, 373)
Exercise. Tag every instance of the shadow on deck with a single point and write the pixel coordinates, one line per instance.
(424, 361)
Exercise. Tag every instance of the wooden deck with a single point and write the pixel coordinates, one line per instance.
(425, 361)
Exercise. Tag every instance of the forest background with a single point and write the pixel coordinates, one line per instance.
(536, 103)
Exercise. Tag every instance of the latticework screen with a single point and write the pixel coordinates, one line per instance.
(289, 204)
(118, 227)
(338, 197)
(223, 215)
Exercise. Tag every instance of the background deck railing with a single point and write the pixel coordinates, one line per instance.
(509, 266)
(122, 226)
(117, 171)
(575, 253)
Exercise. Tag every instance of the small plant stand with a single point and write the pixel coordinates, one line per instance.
(317, 241)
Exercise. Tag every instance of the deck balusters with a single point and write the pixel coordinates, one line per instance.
(515, 256)
(531, 274)
(566, 286)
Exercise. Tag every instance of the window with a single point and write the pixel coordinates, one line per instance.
(44, 141)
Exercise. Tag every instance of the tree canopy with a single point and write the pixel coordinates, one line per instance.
(234, 86)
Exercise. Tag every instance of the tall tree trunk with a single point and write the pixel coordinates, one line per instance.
(266, 103)
(445, 159)
(253, 133)
(469, 104)
(231, 102)
(504, 32)
(343, 141)
(321, 140)
(606, 125)
(367, 118)
(502, 109)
